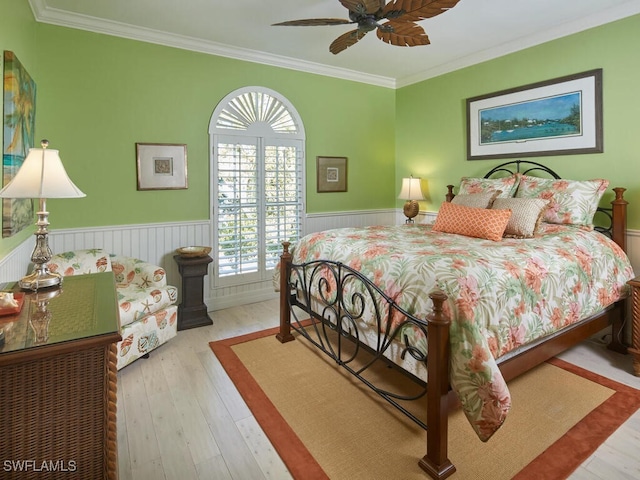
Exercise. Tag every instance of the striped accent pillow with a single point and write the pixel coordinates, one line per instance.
(472, 222)
(526, 214)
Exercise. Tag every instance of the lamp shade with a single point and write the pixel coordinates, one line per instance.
(41, 175)
(411, 189)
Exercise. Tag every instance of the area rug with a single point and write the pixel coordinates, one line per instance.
(325, 424)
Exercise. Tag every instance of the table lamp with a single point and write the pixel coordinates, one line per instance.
(41, 176)
(411, 192)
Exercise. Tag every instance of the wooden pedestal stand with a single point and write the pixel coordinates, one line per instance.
(192, 311)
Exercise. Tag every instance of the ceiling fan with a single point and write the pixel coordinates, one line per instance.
(400, 28)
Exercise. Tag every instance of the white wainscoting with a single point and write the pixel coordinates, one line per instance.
(157, 243)
(633, 249)
(15, 265)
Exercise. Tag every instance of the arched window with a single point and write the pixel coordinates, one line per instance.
(257, 141)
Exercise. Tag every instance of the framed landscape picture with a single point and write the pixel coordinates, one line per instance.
(562, 116)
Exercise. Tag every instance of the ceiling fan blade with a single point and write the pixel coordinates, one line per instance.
(363, 6)
(314, 22)
(415, 10)
(345, 40)
(403, 34)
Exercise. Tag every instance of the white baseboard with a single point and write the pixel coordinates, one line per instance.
(241, 298)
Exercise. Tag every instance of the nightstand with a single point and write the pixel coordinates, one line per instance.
(192, 311)
(635, 327)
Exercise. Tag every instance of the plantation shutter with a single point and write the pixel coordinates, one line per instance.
(283, 197)
(258, 186)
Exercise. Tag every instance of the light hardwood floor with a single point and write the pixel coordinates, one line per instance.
(180, 417)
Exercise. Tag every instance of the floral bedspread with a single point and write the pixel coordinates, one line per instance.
(501, 295)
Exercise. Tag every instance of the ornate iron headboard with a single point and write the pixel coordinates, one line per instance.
(529, 167)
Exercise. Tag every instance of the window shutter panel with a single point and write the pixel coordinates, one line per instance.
(258, 164)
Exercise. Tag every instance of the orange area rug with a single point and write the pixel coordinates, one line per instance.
(325, 424)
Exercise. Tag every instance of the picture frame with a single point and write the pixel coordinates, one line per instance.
(561, 116)
(331, 174)
(161, 166)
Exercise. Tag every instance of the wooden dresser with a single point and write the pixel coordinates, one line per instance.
(58, 383)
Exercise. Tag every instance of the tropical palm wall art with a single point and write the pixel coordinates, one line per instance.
(18, 129)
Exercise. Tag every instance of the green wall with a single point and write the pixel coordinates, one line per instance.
(431, 115)
(102, 94)
(98, 95)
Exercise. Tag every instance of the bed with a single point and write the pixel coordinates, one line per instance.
(511, 273)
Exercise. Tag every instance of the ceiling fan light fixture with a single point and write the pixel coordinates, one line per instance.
(400, 30)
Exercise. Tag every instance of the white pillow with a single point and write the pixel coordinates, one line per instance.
(506, 185)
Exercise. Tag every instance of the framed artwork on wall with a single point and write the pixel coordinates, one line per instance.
(562, 116)
(331, 174)
(161, 166)
(19, 95)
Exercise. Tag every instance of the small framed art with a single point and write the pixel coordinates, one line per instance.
(161, 166)
(332, 174)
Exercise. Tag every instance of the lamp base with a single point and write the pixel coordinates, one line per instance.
(411, 209)
(40, 278)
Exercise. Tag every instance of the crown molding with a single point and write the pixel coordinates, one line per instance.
(44, 14)
(624, 10)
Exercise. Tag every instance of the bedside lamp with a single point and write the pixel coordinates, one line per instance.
(41, 176)
(411, 192)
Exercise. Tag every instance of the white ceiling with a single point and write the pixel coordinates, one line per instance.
(471, 32)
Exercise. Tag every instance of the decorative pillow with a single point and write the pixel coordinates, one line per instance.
(526, 214)
(471, 222)
(507, 185)
(476, 200)
(570, 201)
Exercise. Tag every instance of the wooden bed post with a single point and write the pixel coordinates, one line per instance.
(449, 196)
(619, 235)
(435, 462)
(619, 227)
(285, 310)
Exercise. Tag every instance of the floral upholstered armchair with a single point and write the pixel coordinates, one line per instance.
(146, 304)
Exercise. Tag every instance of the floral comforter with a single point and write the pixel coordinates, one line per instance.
(501, 295)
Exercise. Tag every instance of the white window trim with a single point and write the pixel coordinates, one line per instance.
(255, 130)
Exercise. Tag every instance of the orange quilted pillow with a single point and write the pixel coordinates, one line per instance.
(472, 222)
